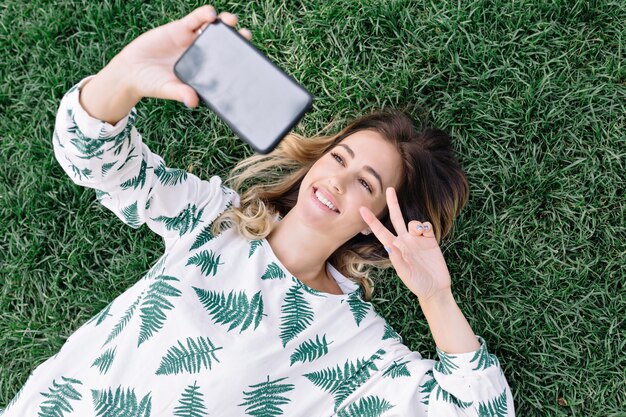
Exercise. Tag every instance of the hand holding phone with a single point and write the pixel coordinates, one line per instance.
(252, 95)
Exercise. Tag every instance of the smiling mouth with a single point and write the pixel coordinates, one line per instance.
(314, 197)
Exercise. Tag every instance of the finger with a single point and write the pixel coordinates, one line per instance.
(429, 231)
(380, 231)
(416, 228)
(228, 18)
(199, 17)
(246, 33)
(394, 212)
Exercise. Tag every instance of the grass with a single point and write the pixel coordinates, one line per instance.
(533, 92)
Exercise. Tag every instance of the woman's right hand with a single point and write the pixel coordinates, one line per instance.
(149, 59)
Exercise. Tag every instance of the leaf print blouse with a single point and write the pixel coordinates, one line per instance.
(218, 326)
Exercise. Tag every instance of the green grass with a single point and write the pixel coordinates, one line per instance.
(534, 93)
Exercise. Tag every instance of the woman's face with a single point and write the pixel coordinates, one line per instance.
(355, 173)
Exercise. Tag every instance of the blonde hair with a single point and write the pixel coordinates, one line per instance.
(434, 188)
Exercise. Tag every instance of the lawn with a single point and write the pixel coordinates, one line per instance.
(533, 93)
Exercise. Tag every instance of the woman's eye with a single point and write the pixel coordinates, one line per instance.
(340, 160)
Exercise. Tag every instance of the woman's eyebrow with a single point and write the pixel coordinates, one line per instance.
(367, 167)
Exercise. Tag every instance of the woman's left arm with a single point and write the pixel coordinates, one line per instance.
(467, 380)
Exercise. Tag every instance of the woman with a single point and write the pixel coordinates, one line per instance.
(261, 319)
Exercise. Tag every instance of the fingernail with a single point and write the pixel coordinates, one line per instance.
(388, 249)
(187, 104)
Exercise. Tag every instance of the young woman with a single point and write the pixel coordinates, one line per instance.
(259, 304)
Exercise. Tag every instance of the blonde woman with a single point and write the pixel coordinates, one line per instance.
(260, 304)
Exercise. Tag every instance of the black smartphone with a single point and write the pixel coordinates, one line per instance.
(252, 95)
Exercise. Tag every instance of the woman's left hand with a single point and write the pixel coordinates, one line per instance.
(415, 254)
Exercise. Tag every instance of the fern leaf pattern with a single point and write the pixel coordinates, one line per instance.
(445, 365)
(122, 403)
(483, 358)
(205, 236)
(390, 333)
(123, 321)
(170, 176)
(207, 262)
(104, 361)
(139, 180)
(131, 216)
(186, 221)
(254, 244)
(234, 309)
(58, 398)
(191, 403)
(154, 306)
(370, 406)
(397, 370)
(297, 315)
(494, 408)
(358, 307)
(102, 315)
(273, 271)
(198, 354)
(342, 382)
(310, 350)
(265, 399)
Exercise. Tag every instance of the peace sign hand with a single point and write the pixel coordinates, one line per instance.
(415, 254)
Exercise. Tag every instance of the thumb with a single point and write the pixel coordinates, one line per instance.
(180, 92)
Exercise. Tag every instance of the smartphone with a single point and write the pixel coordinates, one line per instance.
(252, 95)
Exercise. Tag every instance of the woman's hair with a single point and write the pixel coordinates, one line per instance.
(433, 187)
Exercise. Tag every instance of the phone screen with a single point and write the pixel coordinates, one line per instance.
(253, 96)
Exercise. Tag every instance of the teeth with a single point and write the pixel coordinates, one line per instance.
(328, 204)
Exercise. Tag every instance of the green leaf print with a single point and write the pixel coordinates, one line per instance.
(254, 244)
(106, 167)
(494, 408)
(101, 194)
(236, 309)
(117, 141)
(397, 370)
(310, 350)
(123, 321)
(273, 271)
(198, 354)
(129, 157)
(390, 333)
(170, 176)
(81, 173)
(102, 315)
(153, 306)
(431, 389)
(131, 217)
(265, 401)
(139, 180)
(123, 403)
(445, 364)
(191, 404)
(58, 399)
(156, 269)
(104, 361)
(207, 262)
(186, 221)
(203, 237)
(370, 406)
(483, 358)
(343, 382)
(358, 307)
(297, 315)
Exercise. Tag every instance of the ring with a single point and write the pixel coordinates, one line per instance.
(199, 31)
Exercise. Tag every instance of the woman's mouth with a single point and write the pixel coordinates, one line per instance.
(320, 204)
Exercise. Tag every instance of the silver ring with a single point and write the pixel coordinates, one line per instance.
(199, 31)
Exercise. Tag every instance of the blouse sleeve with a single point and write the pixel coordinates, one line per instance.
(128, 178)
(467, 384)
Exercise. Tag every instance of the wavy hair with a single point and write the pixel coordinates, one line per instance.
(434, 188)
